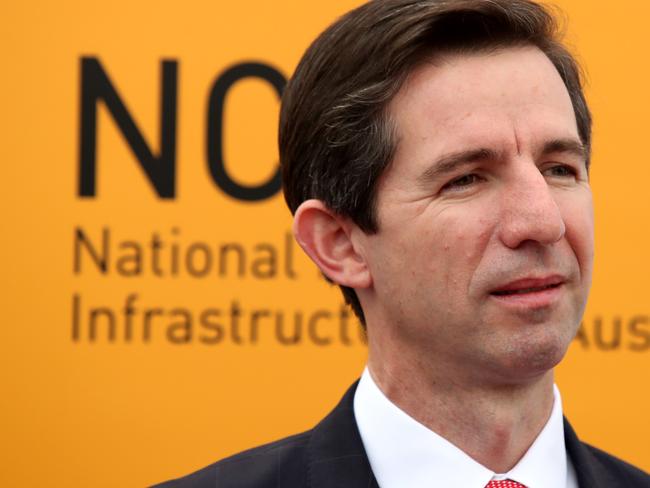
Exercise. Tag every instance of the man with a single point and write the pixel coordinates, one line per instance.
(436, 155)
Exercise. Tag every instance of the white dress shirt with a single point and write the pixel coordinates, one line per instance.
(403, 453)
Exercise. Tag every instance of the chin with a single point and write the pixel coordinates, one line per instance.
(535, 356)
(520, 354)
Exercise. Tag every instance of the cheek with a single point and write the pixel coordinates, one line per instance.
(468, 233)
(464, 241)
(579, 221)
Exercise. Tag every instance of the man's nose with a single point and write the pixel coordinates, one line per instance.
(530, 211)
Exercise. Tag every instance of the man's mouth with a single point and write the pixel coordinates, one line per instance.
(521, 291)
(530, 293)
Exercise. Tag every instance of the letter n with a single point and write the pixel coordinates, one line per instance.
(159, 169)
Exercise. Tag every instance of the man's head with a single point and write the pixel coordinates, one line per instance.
(436, 155)
(336, 135)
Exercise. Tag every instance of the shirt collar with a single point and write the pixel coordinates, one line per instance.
(405, 454)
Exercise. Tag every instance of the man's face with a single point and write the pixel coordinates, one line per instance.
(482, 263)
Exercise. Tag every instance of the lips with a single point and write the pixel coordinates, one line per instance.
(528, 286)
(530, 294)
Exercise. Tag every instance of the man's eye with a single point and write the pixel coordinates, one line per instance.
(561, 171)
(462, 182)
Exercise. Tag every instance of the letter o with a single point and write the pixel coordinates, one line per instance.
(215, 130)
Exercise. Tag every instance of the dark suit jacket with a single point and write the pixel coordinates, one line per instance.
(331, 455)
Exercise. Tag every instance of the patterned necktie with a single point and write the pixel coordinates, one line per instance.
(504, 484)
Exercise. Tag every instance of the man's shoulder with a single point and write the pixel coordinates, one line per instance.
(274, 464)
(330, 454)
(595, 467)
(615, 470)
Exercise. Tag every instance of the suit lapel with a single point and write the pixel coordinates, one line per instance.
(337, 458)
(589, 470)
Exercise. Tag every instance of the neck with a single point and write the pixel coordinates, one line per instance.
(494, 423)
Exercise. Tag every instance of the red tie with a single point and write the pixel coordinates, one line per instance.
(504, 484)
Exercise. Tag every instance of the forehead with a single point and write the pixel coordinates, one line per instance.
(511, 98)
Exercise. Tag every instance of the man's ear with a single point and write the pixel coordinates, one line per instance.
(328, 240)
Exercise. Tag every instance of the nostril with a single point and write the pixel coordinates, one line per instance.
(546, 230)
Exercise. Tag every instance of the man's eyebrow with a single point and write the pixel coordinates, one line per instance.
(568, 145)
(451, 162)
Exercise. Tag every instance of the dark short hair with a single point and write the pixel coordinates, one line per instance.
(336, 138)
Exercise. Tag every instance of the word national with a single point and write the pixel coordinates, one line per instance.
(166, 255)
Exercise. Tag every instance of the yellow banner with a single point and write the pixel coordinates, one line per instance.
(157, 313)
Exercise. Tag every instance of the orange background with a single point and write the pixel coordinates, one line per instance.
(131, 414)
